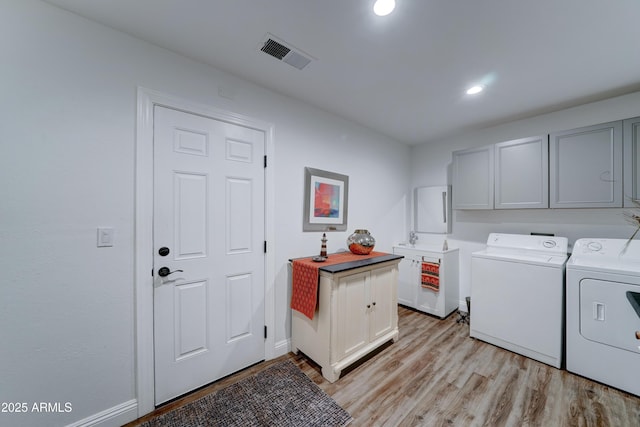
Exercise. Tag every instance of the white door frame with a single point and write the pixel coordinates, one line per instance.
(143, 252)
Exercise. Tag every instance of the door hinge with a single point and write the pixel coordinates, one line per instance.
(265, 332)
(265, 246)
(265, 161)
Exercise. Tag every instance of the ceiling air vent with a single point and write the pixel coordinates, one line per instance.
(282, 52)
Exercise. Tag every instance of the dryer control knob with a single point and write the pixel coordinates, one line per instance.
(549, 244)
(594, 246)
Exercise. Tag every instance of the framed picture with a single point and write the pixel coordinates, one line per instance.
(326, 196)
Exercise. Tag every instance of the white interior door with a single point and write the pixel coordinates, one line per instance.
(209, 235)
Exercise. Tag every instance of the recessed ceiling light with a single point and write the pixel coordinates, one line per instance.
(475, 89)
(384, 7)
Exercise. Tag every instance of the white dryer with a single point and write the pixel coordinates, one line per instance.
(603, 312)
(517, 291)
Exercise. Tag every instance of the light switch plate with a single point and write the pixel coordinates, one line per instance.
(105, 237)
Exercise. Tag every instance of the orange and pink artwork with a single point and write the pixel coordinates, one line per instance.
(326, 200)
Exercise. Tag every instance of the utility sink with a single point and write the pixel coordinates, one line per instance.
(422, 247)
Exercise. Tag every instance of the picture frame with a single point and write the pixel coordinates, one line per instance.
(326, 200)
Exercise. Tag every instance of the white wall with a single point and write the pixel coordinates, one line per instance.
(431, 165)
(67, 140)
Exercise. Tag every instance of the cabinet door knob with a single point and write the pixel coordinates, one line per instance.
(368, 305)
(374, 303)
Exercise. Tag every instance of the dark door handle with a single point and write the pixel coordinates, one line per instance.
(164, 271)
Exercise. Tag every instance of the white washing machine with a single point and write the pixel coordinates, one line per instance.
(517, 295)
(603, 312)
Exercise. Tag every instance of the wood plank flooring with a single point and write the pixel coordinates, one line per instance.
(436, 375)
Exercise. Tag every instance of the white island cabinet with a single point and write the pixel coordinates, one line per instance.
(356, 313)
(440, 303)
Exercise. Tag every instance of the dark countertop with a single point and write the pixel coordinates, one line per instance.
(336, 268)
(344, 266)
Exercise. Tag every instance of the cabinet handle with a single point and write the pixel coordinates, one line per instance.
(444, 207)
(374, 303)
(602, 177)
(368, 305)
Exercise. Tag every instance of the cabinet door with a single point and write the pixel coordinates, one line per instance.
(631, 150)
(407, 280)
(586, 167)
(473, 178)
(522, 173)
(383, 311)
(431, 209)
(352, 314)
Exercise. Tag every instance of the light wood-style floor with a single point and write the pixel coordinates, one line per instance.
(436, 375)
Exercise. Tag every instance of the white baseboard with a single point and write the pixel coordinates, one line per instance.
(281, 348)
(112, 417)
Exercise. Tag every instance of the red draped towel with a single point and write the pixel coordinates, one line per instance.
(304, 292)
(430, 277)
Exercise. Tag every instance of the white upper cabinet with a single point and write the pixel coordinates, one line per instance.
(585, 167)
(514, 173)
(432, 206)
(473, 178)
(522, 173)
(631, 131)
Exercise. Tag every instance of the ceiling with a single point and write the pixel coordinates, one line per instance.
(404, 75)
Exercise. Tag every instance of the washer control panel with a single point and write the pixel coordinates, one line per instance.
(524, 242)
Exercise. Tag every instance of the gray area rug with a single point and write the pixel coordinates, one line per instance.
(281, 395)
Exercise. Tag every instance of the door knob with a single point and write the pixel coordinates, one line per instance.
(164, 271)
